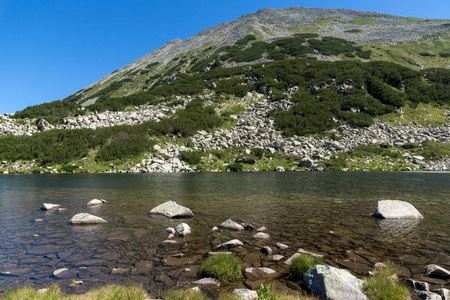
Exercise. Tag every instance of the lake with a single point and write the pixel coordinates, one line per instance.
(321, 212)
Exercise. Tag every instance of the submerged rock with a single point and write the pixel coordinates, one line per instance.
(85, 219)
(333, 283)
(230, 224)
(261, 236)
(208, 281)
(396, 209)
(95, 202)
(172, 210)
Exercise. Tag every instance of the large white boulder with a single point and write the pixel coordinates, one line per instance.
(172, 210)
(396, 209)
(85, 219)
(49, 206)
(332, 283)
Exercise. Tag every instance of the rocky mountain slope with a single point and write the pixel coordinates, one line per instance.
(283, 89)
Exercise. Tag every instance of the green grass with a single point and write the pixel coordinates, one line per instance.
(224, 267)
(327, 21)
(383, 286)
(305, 29)
(353, 31)
(424, 114)
(302, 263)
(256, 33)
(267, 31)
(180, 294)
(363, 21)
(110, 292)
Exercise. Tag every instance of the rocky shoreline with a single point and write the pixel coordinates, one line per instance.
(252, 129)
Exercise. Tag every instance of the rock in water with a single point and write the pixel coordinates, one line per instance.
(85, 218)
(183, 229)
(172, 210)
(230, 224)
(231, 244)
(333, 283)
(95, 202)
(437, 272)
(245, 294)
(396, 209)
(49, 206)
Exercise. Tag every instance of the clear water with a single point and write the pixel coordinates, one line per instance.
(322, 212)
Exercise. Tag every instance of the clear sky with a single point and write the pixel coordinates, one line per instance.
(50, 49)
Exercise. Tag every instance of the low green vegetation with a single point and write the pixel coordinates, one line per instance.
(302, 263)
(224, 267)
(424, 114)
(184, 294)
(54, 293)
(53, 112)
(382, 285)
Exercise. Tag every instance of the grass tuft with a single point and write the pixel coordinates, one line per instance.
(382, 285)
(179, 294)
(302, 264)
(224, 267)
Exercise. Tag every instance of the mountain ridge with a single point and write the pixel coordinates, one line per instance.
(269, 24)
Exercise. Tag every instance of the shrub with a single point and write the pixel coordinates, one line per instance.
(191, 157)
(302, 263)
(224, 267)
(236, 167)
(383, 286)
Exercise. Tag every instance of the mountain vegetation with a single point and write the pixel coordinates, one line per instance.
(332, 71)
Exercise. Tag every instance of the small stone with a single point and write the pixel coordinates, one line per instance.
(169, 242)
(94, 202)
(38, 220)
(208, 281)
(281, 246)
(86, 219)
(171, 236)
(428, 295)
(170, 230)
(196, 289)
(261, 236)
(419, 285)
(231, 244)
(277, 257)
(230, 224)
(245, 294)
(444, 293)
(266, 250)
(303, 251)
(214, 229)
(49, 206)
(247, 226)
(183, 229)
(59, 271)
(261, 229)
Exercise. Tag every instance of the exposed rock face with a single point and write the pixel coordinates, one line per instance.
(95, 202)
(334, 284)
(172, 210)
(230, 224)
(49, 206)
(396, 209)
(86, 219)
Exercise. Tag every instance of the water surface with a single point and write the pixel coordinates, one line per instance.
(323, 212)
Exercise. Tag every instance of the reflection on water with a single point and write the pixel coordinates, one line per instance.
(323, 212)
(399, 228)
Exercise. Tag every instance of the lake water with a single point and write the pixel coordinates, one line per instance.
(323, 212)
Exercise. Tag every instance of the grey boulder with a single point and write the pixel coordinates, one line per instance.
(230, 224)
(86, 219)
(437, 271)
(183, 229)
(333, 283)
(172, 210)
(396, 209)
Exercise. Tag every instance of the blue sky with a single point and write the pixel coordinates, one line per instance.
(50, 49)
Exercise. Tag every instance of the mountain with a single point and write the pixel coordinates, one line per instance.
(265, 25)
(279, 89)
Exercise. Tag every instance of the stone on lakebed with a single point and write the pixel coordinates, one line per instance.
(172, 210)
(86, 219)
(396, 209)
(49, 206)
(95, 202)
